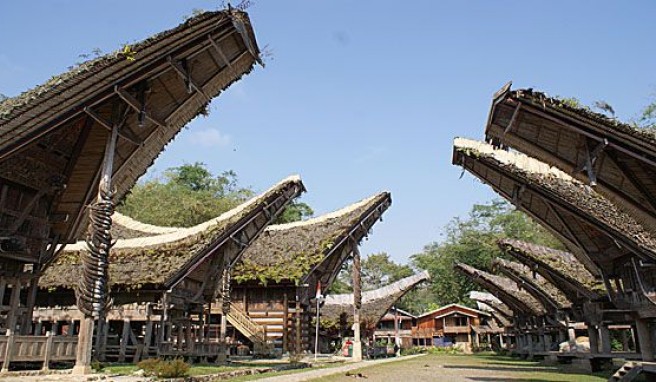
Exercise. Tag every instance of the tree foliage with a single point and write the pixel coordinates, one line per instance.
(294, 211)
(184, 196)
(471, 240)
(378, 270)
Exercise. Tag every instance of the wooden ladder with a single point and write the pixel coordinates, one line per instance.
(255, 332)
(628, 372)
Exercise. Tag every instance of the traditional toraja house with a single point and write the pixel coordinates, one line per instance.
(560, 268)
(163, 280)
(85, 137)
(454, 325)
(617, 158)
(275, 282)
(554, 301)
(602, 236)
(529, 315)
(337, 310)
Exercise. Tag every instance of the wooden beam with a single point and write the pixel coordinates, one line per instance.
(186, 77)
(218, 50)
(91, 113)
(137, 106)
(513, 119)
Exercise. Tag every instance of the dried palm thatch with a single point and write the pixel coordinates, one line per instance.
(124, 227)
(570, 209)
(375, 303)
(560, 267)
(290, 252)
(620, 159)
(53, 137)
(154, 260)
(536, 285)
(504, 289)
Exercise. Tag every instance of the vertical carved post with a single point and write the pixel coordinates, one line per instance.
(357, 303)
(225, 309)
(92, 291)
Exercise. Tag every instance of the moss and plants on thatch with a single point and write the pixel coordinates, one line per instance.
(288, 252)
(534, 173)
(571, 106)
(553, 260)
(155, 259)
(525, 274)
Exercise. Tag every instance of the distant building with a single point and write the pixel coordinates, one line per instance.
(386, 329)
(454, 325)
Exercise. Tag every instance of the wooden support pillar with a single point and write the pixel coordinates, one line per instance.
(571, 334)
(357, 303)
(285, 323)
(605, 339)
(645, 340)
(297, 347)
(125, 338)
(625, 340)
(9, 351)
(26, 323)
(529, 344)
(101, 338)
(14, 304)
(593, 335)
(84, 345)
(546, 341)
(47, 351)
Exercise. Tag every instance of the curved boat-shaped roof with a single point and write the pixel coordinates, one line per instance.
(375, 303)
(564, 134)
(297, 252)
(595, 229)
(504, 289)
(162, 258)
(561, 268)
(53, 137)
(536, 285)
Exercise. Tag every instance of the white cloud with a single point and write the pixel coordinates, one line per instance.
(209, 137)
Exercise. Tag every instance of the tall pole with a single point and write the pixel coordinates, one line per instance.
(316, 330)
(357, 303)
(397, 338)
(92, 292)
(225, 309)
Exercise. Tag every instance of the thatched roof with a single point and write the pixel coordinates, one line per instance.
(124, 227)
(375, 303)
(563, 134)
(539, 287)
(571, 210)
(159, 259)
(290, 252)
(560, 267)
(55, 134)
(504, 289)
(491, 301)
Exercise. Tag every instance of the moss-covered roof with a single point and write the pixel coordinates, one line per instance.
(569, 190)
(503, 288)
(155, 259)
(545, 259)
(375, 303)
(544, 101)
(288, 252)
(524, 273)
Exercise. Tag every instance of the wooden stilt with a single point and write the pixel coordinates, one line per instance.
(14, 303)
(84, 345)
(605, 339)
(26, 322)
(593, 335)
(285, 324)
(357, 304)
(125, 338)
(645, 340)
(297, 346)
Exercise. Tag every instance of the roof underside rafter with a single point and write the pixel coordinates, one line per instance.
(618, 158)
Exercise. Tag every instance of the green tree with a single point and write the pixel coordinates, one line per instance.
(378, 270)
(472, 240)
(184, 196)
(294, 211)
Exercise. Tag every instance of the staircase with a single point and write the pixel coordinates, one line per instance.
(240, 320)
(628, 372)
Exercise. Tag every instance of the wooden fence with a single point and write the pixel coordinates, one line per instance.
(43, 349)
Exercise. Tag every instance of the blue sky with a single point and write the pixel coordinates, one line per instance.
(362, 96)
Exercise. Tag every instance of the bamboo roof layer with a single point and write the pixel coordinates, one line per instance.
(292, 252)
(536, 285)
(560, 267)
(504, 289)
(595, 229)
(156, 259)
(561, 133)
(375, 303)
(53, 137)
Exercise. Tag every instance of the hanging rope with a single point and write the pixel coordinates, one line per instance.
(92, 290)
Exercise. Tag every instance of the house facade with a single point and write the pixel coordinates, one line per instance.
(451, 325)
